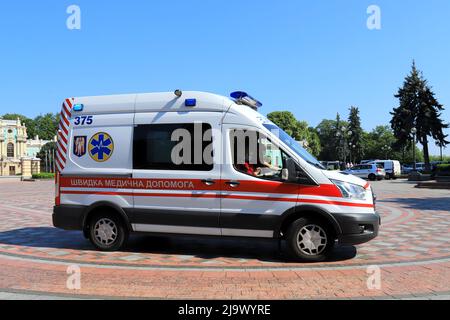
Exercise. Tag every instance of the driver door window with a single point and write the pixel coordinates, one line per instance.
(255, 155)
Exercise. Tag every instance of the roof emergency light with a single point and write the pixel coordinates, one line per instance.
(244, 98)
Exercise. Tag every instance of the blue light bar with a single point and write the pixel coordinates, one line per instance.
(78, 107)
(242, 97)
(190, 102)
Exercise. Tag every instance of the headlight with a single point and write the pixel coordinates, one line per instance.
(350, 190)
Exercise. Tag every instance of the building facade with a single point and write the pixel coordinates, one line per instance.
(35, 145)
(13, 139)
(17, 154)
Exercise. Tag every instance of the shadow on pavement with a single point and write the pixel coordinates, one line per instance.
(208, 248)
(435, 203)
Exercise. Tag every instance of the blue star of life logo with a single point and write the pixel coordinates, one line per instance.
(101, 147)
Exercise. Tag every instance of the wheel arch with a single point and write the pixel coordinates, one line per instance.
(306, 211)
(101, 205)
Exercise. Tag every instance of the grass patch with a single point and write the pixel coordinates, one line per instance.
(43, 176)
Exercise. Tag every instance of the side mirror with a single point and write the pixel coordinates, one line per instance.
(289, 174)
(285, 174)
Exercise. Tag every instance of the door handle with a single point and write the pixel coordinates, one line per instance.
(233, 184)
(209, 182)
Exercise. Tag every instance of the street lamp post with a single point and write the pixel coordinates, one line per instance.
(414, 132)
(386, 149)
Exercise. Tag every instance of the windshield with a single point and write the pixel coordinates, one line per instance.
(294, 145)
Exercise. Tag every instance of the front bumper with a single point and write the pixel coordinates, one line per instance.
(357, 228)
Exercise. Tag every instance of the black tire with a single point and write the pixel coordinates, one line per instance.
(113, 222)
(388, 176)
(301, 254)
(372, 177)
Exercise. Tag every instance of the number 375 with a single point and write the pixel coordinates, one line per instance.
(85, 120)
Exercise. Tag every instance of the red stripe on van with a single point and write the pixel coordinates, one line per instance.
(69, 104)
(255, 198)
(63, 138)
(65, 112)
(62, 157)
(63, 148)
(64, 129)
(67, 122)
(325, 190)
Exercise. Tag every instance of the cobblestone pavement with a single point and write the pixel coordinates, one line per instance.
(412, 251)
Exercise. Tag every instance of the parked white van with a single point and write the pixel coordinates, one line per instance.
(123, 167)
(393, 168)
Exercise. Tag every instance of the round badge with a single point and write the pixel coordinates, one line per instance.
(101, 147)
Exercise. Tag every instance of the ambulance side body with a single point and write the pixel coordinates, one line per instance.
(217, 200)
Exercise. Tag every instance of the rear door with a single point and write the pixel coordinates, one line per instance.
(179, 189)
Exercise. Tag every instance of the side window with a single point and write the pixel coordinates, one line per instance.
(356, 168)
(173, 147)
(255, 155)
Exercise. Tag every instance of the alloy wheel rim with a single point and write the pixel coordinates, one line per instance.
(105, 231)
(312, 240)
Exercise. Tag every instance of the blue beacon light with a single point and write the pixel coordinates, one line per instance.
(190, 102)
(78, 107)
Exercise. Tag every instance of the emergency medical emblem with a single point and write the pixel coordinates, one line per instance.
(101, 147)
(79, 146)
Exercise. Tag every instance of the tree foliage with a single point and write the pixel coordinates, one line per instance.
(355, 139)
(418, 109)
(299, 130)
(44, 126)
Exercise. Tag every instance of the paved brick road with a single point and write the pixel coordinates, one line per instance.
(413, 252)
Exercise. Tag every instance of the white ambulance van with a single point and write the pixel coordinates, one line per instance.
(185, 163)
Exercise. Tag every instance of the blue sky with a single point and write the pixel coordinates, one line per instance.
(314, 58)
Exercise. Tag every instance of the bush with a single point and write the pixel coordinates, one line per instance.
(41, 176)
(443, 169)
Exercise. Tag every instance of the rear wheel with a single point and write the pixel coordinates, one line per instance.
(309, 240)
(107, 232)
(372, 177)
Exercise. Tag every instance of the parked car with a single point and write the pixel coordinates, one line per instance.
(392, 167)
(368, 171)
(408, 168)
(367, 161)
(332, 165)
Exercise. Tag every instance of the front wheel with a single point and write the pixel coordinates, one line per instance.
(309, 240)
(107, 232)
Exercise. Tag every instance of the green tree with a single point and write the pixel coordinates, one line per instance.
(47, 154)
(46, 126)
(299, 130)
(341, 139)
(418, 109)
(326, 131)
(379, 144)
(286, 121)
(314, 144)
(355, 139)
